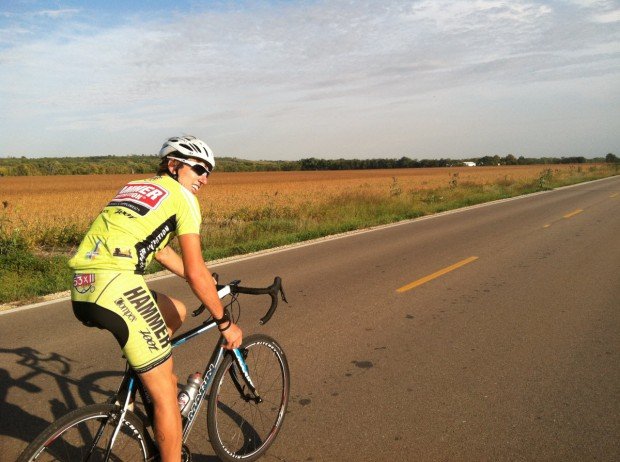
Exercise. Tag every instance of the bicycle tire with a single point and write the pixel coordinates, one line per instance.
(240, 429)
(71, 436)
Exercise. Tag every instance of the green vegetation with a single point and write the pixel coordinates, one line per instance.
(134, 164)
(26, 271)
(98, 165)
(405, 162)
(25, 275)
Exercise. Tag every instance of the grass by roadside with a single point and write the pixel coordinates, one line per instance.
(28, 271)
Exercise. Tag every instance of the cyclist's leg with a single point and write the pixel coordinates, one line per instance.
(161, 384)
(123, 304)
(150, 358)
(173, 311)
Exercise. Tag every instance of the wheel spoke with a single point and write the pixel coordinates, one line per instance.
(84, 435)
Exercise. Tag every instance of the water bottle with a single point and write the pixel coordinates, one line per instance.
(189, 392)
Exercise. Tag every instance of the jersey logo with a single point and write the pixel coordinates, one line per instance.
(123, 253)
(84, 283)
(91, 255)
(140, 197)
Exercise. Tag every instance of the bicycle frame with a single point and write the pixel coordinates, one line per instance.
(208, 374)
(132, 384)
(112, 418)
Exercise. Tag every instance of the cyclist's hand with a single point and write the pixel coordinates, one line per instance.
(233, 336)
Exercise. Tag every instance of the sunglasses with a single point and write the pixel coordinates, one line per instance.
(197, 167)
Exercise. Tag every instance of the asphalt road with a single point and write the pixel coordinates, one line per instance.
(514, 355)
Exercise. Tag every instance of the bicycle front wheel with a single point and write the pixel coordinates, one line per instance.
(84, 434)
(239, 427)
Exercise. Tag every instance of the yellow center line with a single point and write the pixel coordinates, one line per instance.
(573, 213)
(435, 275)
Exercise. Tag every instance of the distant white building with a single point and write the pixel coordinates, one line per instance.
(469, 164)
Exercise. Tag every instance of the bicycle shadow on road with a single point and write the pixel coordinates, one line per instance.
(47, 383)
(42, 371)
(15, 421)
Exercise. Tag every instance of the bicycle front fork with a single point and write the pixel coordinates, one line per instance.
(243, 367)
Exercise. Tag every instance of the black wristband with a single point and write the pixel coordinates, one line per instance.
(225, 318)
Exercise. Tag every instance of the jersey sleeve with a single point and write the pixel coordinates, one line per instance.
(188, 214)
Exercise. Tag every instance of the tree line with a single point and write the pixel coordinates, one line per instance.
(313, 163)
(23, 166)
(136, 164)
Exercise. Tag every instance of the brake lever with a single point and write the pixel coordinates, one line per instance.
(198, 310)
(282, 294)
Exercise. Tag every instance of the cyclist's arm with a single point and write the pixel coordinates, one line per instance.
(199, 278)
(170, 260)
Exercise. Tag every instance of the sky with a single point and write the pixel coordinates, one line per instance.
(286, 80)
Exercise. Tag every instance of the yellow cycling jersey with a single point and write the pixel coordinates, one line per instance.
(137, 223)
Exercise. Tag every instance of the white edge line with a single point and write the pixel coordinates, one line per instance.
(64, 296)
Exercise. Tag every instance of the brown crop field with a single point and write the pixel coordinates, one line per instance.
(52, 211)
(43, 218)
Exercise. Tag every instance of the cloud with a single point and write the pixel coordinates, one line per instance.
(600, 11)
(608, 17)
(265, 66)
(465, 15)
(56, 14)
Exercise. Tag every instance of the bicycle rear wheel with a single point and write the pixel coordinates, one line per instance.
(239, 428)
(84, 434)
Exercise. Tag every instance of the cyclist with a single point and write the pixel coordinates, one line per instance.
(109, 291)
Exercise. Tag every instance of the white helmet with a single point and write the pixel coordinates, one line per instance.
(188, 146)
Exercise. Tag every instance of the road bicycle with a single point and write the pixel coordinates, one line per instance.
(247, 400)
